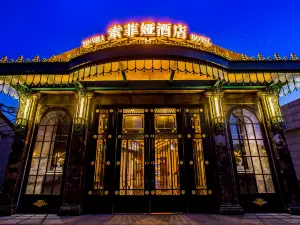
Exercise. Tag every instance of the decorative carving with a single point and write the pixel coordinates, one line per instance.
(260, 202)
(40, 203)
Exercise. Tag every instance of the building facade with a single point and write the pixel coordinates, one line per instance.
(291, 116)
(6, 139)
(149, 118)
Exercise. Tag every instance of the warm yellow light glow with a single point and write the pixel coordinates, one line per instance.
(93, 40)
(271, 106)
(180, 31)
(200, 39)
(81, 108)
(26, 108)
(163, 30)
(148, 29)
(131, 29)
(217, 106)
(115, 32)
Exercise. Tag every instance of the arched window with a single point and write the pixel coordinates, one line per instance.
(49, 153)
(249, 152)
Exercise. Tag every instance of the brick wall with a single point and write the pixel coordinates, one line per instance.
(291, 116)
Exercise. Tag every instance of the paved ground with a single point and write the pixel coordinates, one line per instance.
(184, 219)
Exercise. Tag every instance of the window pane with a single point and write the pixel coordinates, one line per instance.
(250, 154)
(260, 184)
(49, 133)
(37, 149)
(43, 166)
(261, 148)
(38, 185)
(46, 163)
(41, 133)
(30, 185)
(269, 184)
(265, 165)
(34, 166)
(253, 148)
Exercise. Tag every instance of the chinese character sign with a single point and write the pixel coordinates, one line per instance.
(115, 32)
(148, 29)
(163, 30)
(180, 31)
(144, 30)
(131, 29)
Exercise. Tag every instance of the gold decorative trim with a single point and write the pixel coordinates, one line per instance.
(146, 110)
(204, 135)
(209, 192)
(191, 162)
(111, 110)
(119, 136)
(187, 110)
(193, 192)
(120, 110)
(97, 110)
(201, 110)
(106, 192)
(108, 163)
(179, 136)
(189, 136)
(181, 162)
(95, 136)
(109, 136)
(151, 110)
(40, 203)
(90, 192)
(206, 162)
(153, 192)
(260, 202)
(177, 110)
(183, 192)
(118, 163)
(146, 192)
(92, 163)
(116, 192)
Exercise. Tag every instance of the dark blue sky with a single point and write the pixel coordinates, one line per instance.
(37, 27)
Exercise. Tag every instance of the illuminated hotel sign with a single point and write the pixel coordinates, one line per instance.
(146, 29)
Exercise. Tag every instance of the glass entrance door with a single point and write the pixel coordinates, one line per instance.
(151, 160)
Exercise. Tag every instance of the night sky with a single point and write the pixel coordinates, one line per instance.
(44, 28)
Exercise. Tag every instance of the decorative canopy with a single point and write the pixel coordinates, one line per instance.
(145, 52)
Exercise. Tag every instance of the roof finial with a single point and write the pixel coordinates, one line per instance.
(20, 59)
(293, 56)
(244, 57)
(276, 56)
(4, 59)
(260, 57)
(36, 59)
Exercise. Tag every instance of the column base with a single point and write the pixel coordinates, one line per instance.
(70, 210)
(7, 210)
(294, 209)
(230, 209)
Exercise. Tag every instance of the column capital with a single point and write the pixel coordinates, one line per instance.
(214, 93)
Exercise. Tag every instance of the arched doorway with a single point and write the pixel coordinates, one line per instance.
(252, 158)
(46, 164)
